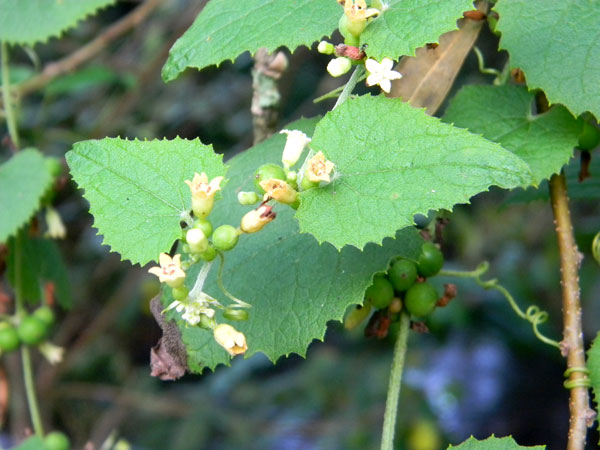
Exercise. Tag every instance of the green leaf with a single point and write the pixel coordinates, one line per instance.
(392, 162)
(31, 443)
(556, 44)
(493, 443)
(294, 284)
(593, 364)
(227, 28)
(136, 189)
(28, 22)
(410, 24)
(23, 181)
(503, 114)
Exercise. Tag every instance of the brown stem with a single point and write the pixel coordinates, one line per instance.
(572, 344)
(88, 51)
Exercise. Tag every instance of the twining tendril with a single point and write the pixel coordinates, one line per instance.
(238, 303)
(584, 381)
(534, 315)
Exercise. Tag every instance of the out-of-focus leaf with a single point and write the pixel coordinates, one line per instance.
(493, 443)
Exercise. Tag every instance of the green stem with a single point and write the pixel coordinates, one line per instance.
(350, 85)
(238, 302)
(335, 92)
(11, 121)
(393, 394)
(34, 411)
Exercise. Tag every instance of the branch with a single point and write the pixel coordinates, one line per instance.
(90, 50)
(572, 345)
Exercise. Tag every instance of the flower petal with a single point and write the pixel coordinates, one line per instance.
(387, 64)
(372, 65)
(385, 85)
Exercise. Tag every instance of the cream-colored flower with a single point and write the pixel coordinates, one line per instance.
(197, 240)
(339, 66)
(53, 353)
(294, 145)
(194, 312)
(278, 190)
(381, 73)
(203, 193)
(230, 339)
(56, 227)
(170, 270)
(256, 219)
(319, 168)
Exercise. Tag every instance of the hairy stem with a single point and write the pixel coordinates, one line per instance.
(11, 120)
(572, 344)
(393, 394)
(350, 85)
(34, 411)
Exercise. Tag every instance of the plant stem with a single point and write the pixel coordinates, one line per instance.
(350, 85)
(34, 411)
(11, 121)
(572, 345)
(393, 394)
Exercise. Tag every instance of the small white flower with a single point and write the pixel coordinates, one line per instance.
(170, 270)
(56, 227)
(294, 145)
(381, 73)
(203, 193)
(319, 168)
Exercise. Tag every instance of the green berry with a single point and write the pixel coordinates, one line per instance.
(402, 274)
(225, 237)
(45, 314)
(381, 292)
(306, 184)
(430, 261)
(420, 299)
(209, 254)
(180, 293)
(32, 330)
(9, 339)
(236, 314)
(205, 226)
(589, 138)
(57, 441)
(267, 172)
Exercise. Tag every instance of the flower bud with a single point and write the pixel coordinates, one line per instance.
(294, 145)
(247, 198)
(279, 190)
(339, 66)
(230, 339)
(326, 48)
(56, 227)
(197, 240)
(52, 353)
(256, 219)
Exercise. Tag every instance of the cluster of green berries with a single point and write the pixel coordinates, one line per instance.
(403, 287)
(31, 330)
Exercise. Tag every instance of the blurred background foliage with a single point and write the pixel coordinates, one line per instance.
(479, 371)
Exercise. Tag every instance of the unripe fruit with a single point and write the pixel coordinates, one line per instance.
(209, 254)
(396, 306)
(180, 293)
(45, 314)
(430, 261)
(589, 138)
(420, 299)
(9, 339)
(402, 274)
(225, 237)
(381, 292)
(205, 226)
(32, 331)
(236, 314)
(57, 441)
(267, 172)
(356, 316)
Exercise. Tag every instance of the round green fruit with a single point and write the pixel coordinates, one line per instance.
(267, 172)
(56, 441)
(32, 330)
(180, 293)
(236, 314)
(430, 261)
(420, 299)
(205, 226)
(225, 237)
(402, 274)
(381, 292)
(9, 339)
(45, 314)
(589, 137)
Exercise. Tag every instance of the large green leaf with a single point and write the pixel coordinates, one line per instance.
(27, 22)
(593, 364)
(557, 45)
(23, 180)
(503, 114)
(227, 28)
(294, 284)
(136, 189)
(409, 24)
(394, 161)
(493, 443)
